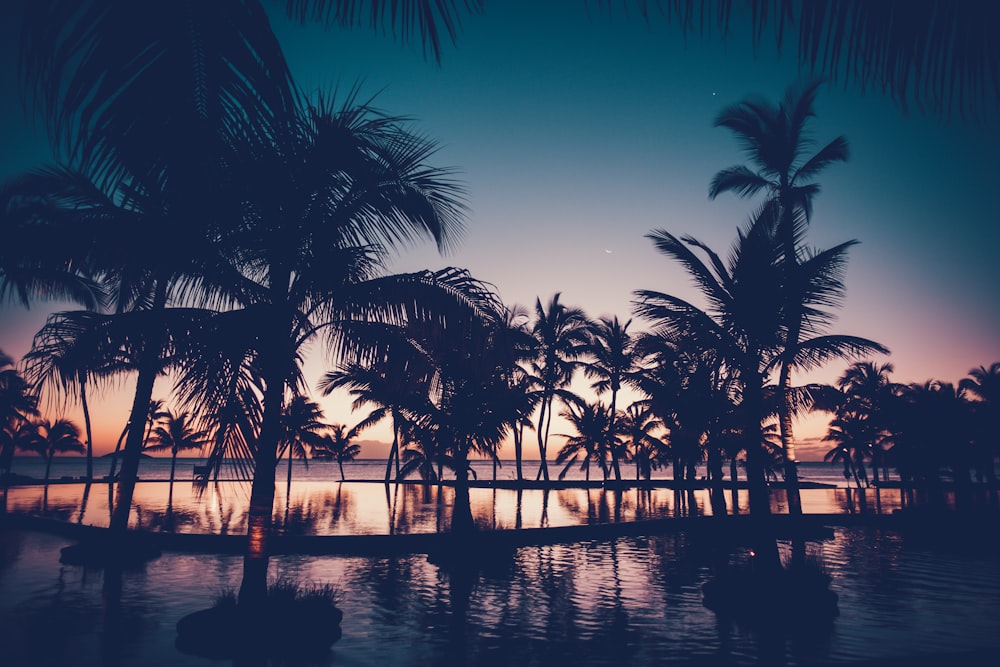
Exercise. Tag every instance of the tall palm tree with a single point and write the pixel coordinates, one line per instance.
(562, 337)
(141, 103)
(48, 438)
(174, 432)
(469, 407)
(305, 272)
(775, 140)
(741, 323)
(744, 324)
(614, 361)
(338, 445)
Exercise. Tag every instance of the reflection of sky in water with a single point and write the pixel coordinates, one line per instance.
(634, 600)
(359, 508)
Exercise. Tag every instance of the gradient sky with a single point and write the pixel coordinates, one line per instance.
(576, 133)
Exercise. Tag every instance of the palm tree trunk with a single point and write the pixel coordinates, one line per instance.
(611, 435)
(132, 451)
(340, 464)
(48, 466)
(260, 516)
(87, 426)
(788, 438)
(173, 467)
(149, 369)
(543, 470)
(253, 589)
(114, 456)
(288, 481)
(394, 451)
(461, 514)
(518, 444)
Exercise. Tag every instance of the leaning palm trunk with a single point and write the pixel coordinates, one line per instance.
(87, 426)
(132, 451)
(394, 452)
(253, 589)
(149, 365)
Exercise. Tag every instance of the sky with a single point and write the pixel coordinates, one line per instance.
(576, 133)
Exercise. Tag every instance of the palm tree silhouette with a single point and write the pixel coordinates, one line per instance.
(338, 445)
(562, 337)
(175, 433)
(389, 384)
(303, 430)
(614, 361)
(775, 139)
(72, 350)
(867, 394)
(638, 426)
(591, 442)
(48, 438)
(742, 322)
(301, 273)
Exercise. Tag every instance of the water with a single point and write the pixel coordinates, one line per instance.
(633, 601)
(629, 600)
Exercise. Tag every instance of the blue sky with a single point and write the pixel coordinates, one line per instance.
(577, 133)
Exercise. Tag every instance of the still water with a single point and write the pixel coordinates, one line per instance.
(622, 601)
(625, 601)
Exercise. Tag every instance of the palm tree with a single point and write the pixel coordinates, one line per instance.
(867, 394)
(18, 405)
(337, 445)
(174, 432)
(741, 324)
(61, 355)
(562, 337)
(48, 438)
(853, 436)
(614, 361)
(775, 139)
(389, 384)
(303, 431)
(303, 272)
(638, 425)
(422, 454)
(591, 444)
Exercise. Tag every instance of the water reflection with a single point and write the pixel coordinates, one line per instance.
(352, 508)
(633, 600)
